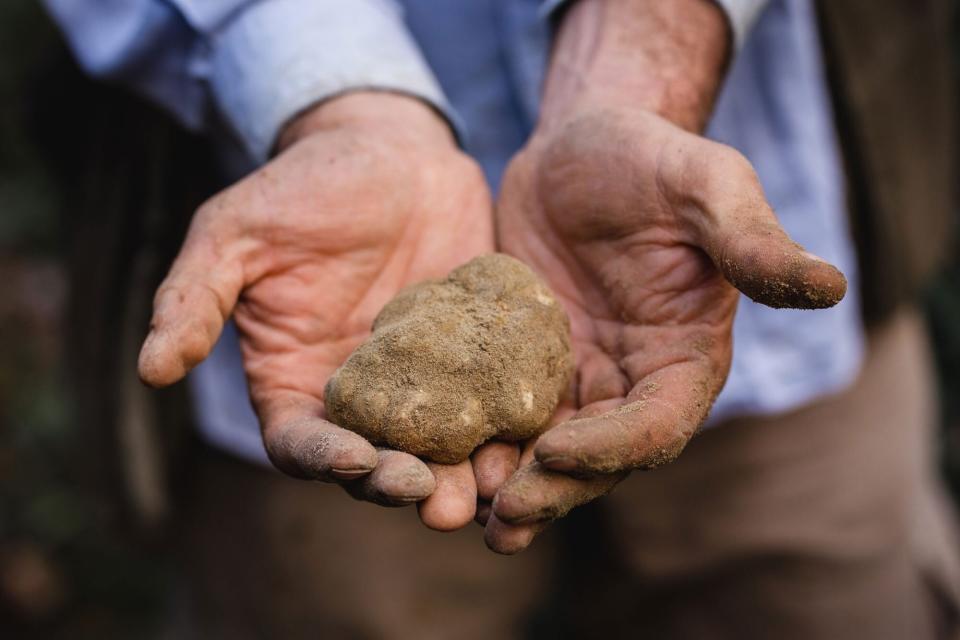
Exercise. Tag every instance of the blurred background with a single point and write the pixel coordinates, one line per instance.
(83, 494)
(79, 554)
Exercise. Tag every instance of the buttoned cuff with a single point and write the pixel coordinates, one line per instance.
(277, 58)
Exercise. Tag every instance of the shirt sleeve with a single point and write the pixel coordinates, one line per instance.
(742, 14)
(256, 63)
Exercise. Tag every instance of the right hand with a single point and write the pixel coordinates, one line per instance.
(368, 194)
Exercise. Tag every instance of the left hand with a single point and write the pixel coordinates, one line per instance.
(643, 230)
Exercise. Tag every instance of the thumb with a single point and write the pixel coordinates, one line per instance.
(739, 231)
(189, 310)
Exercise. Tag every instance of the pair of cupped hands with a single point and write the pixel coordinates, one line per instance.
(644, 230)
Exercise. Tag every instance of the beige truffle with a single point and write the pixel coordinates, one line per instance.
(452, 363)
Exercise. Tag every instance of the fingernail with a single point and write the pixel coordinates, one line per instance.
(349, 474)
(560, 463)
(534, 518)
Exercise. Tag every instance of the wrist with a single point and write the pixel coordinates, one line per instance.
(663, 57)
(376, 112)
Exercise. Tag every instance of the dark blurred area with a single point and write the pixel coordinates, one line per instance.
(942, 304)
(96, 189)
(86, 172)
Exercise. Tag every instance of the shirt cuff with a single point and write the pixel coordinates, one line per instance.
(742, 14)
(277, 58)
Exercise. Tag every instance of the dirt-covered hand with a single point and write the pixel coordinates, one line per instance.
(368, 194)
(645, 231)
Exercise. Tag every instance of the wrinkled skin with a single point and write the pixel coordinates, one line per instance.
(639, 227)
(363, 200)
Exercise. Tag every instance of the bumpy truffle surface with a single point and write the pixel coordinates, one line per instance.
(452, 363)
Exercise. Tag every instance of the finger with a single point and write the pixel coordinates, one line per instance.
(649, 429)
(533, 498)
(302, 444)
(509, 539)
(398, 480)
(493, 463)
(741, 235)
(453, 503)
(537, 495)
(189, 311)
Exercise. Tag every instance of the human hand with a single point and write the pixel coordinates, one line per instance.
(367, 194)
(643, 229)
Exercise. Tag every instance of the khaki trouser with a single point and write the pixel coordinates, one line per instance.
(824, 523)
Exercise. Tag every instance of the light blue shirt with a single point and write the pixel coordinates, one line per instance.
(247, 66)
